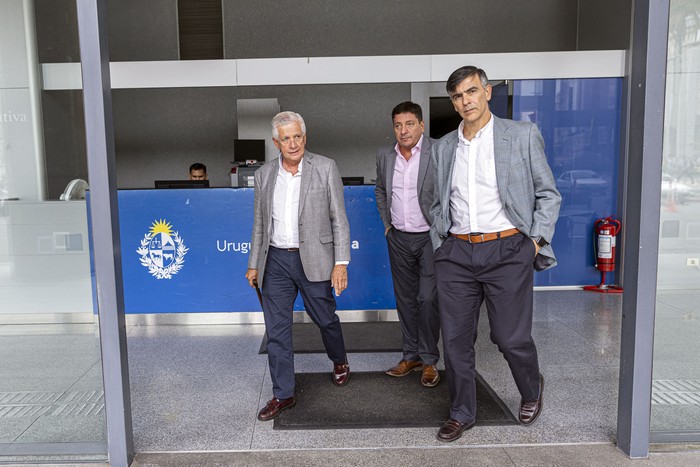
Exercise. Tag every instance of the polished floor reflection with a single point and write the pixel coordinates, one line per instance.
(50, 384)
(676, 385)
(199, 387)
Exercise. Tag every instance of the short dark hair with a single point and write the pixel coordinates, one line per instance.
(460, 74)
(198, 166)
(410, 107)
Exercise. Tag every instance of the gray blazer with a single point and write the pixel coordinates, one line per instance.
(386, 161)
(525, 183)
(324, 233)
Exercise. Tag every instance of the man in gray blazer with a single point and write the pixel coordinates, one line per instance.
(494, 214)
(404, 193)
(300, 243)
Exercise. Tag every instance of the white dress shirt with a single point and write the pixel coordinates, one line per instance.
(285, 208)
(475, 204)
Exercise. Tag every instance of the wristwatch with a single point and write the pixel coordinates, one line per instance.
(541, 242)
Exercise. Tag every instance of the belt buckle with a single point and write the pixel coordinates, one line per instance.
(477, 235)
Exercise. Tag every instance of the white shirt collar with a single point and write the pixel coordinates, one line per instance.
(484, 131)
(283, 171)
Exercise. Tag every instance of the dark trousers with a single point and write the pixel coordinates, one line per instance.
(499, 272)
(413, 274)
(284, 278)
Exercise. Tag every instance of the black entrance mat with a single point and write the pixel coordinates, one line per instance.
(377, 336)
(375, 400)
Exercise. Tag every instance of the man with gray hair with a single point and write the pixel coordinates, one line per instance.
(300, 243)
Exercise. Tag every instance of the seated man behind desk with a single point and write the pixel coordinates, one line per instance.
(198, 171)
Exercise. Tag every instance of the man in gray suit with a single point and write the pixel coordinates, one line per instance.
(494, 214)
(301, 243)
(404, 193)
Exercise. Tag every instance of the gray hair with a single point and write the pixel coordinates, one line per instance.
(284, 119)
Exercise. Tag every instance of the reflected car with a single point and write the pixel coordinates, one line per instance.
(589, 181)
(672, 187)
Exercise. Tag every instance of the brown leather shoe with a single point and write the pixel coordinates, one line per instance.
(341, 374)
(430, 377)
(530, 410)
(403, 368)
(452, 430)
(274, 406)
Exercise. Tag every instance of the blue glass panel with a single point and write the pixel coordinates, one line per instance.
(580, 123)
(498, 105)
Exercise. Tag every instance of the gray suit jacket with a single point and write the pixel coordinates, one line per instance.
(386, 161)
(324, 233)
(525, 183)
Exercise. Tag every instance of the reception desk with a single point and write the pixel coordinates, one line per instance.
(187, 251)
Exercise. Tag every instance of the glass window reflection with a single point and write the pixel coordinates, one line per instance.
(580, 123)
(676, 373)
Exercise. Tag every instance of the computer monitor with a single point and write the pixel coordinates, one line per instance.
(246, 149)
(353, 180)
(182, 184)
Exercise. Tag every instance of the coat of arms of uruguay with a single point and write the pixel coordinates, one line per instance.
(162, 250)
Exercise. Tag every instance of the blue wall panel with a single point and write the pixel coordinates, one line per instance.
(208, 231)
(580, 123)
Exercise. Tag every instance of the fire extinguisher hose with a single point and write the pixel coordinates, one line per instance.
(595, 247)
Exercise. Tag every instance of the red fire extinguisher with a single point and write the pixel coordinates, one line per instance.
(604, 239)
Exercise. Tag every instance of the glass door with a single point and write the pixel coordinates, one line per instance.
(675, 409)
(51, 390)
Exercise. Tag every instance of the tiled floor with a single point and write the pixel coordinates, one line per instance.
(676, 397)
(198, 388)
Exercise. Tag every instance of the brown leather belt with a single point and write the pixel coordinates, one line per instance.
(284, 249)
(486, 237)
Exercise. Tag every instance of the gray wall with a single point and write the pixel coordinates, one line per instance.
(160, 132)
(604, 24)
(138, 30)
(64, 139)
(172, 128)
(147, 30)
(369, 27)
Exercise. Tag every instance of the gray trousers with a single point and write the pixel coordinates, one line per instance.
(501, 273)
(413, 274)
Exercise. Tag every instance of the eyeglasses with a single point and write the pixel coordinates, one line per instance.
(288, 139)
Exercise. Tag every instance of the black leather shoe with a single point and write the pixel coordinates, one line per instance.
(341, 374)
(530, 410)
(452, 430)
(274, 406)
